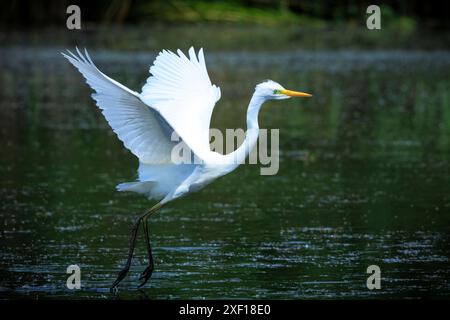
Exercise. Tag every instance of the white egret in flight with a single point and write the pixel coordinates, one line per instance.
(178, 97)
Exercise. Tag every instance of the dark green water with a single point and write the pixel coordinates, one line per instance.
(364, 179)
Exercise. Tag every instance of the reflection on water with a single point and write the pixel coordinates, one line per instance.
(364, 176)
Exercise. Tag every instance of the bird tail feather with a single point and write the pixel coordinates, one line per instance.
(143, 187)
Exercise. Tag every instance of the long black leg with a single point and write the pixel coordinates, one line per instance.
(125, 270)
(146, 275)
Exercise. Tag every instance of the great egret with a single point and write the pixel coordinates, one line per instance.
(178, 97)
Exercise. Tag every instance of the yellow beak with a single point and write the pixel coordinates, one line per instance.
(291, 93)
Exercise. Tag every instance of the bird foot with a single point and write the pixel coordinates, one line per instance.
(146, 275)
(120, 277)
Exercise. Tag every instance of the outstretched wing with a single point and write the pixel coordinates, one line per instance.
(142, 130)
(179, 88)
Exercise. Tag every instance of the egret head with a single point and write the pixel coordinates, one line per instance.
(272, 90)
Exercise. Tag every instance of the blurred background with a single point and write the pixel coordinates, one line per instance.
(364, 165)
(228, 24)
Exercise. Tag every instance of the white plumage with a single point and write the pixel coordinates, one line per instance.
(177, 101)
(178, 97)
(180, 89)
(136, 125)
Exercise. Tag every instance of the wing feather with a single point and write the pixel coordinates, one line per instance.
(142, 130)
(179, 88)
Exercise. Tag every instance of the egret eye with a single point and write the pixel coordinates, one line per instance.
(276, 91)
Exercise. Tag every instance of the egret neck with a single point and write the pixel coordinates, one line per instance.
(240, 154)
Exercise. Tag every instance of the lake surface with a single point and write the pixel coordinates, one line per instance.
(364, 180)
